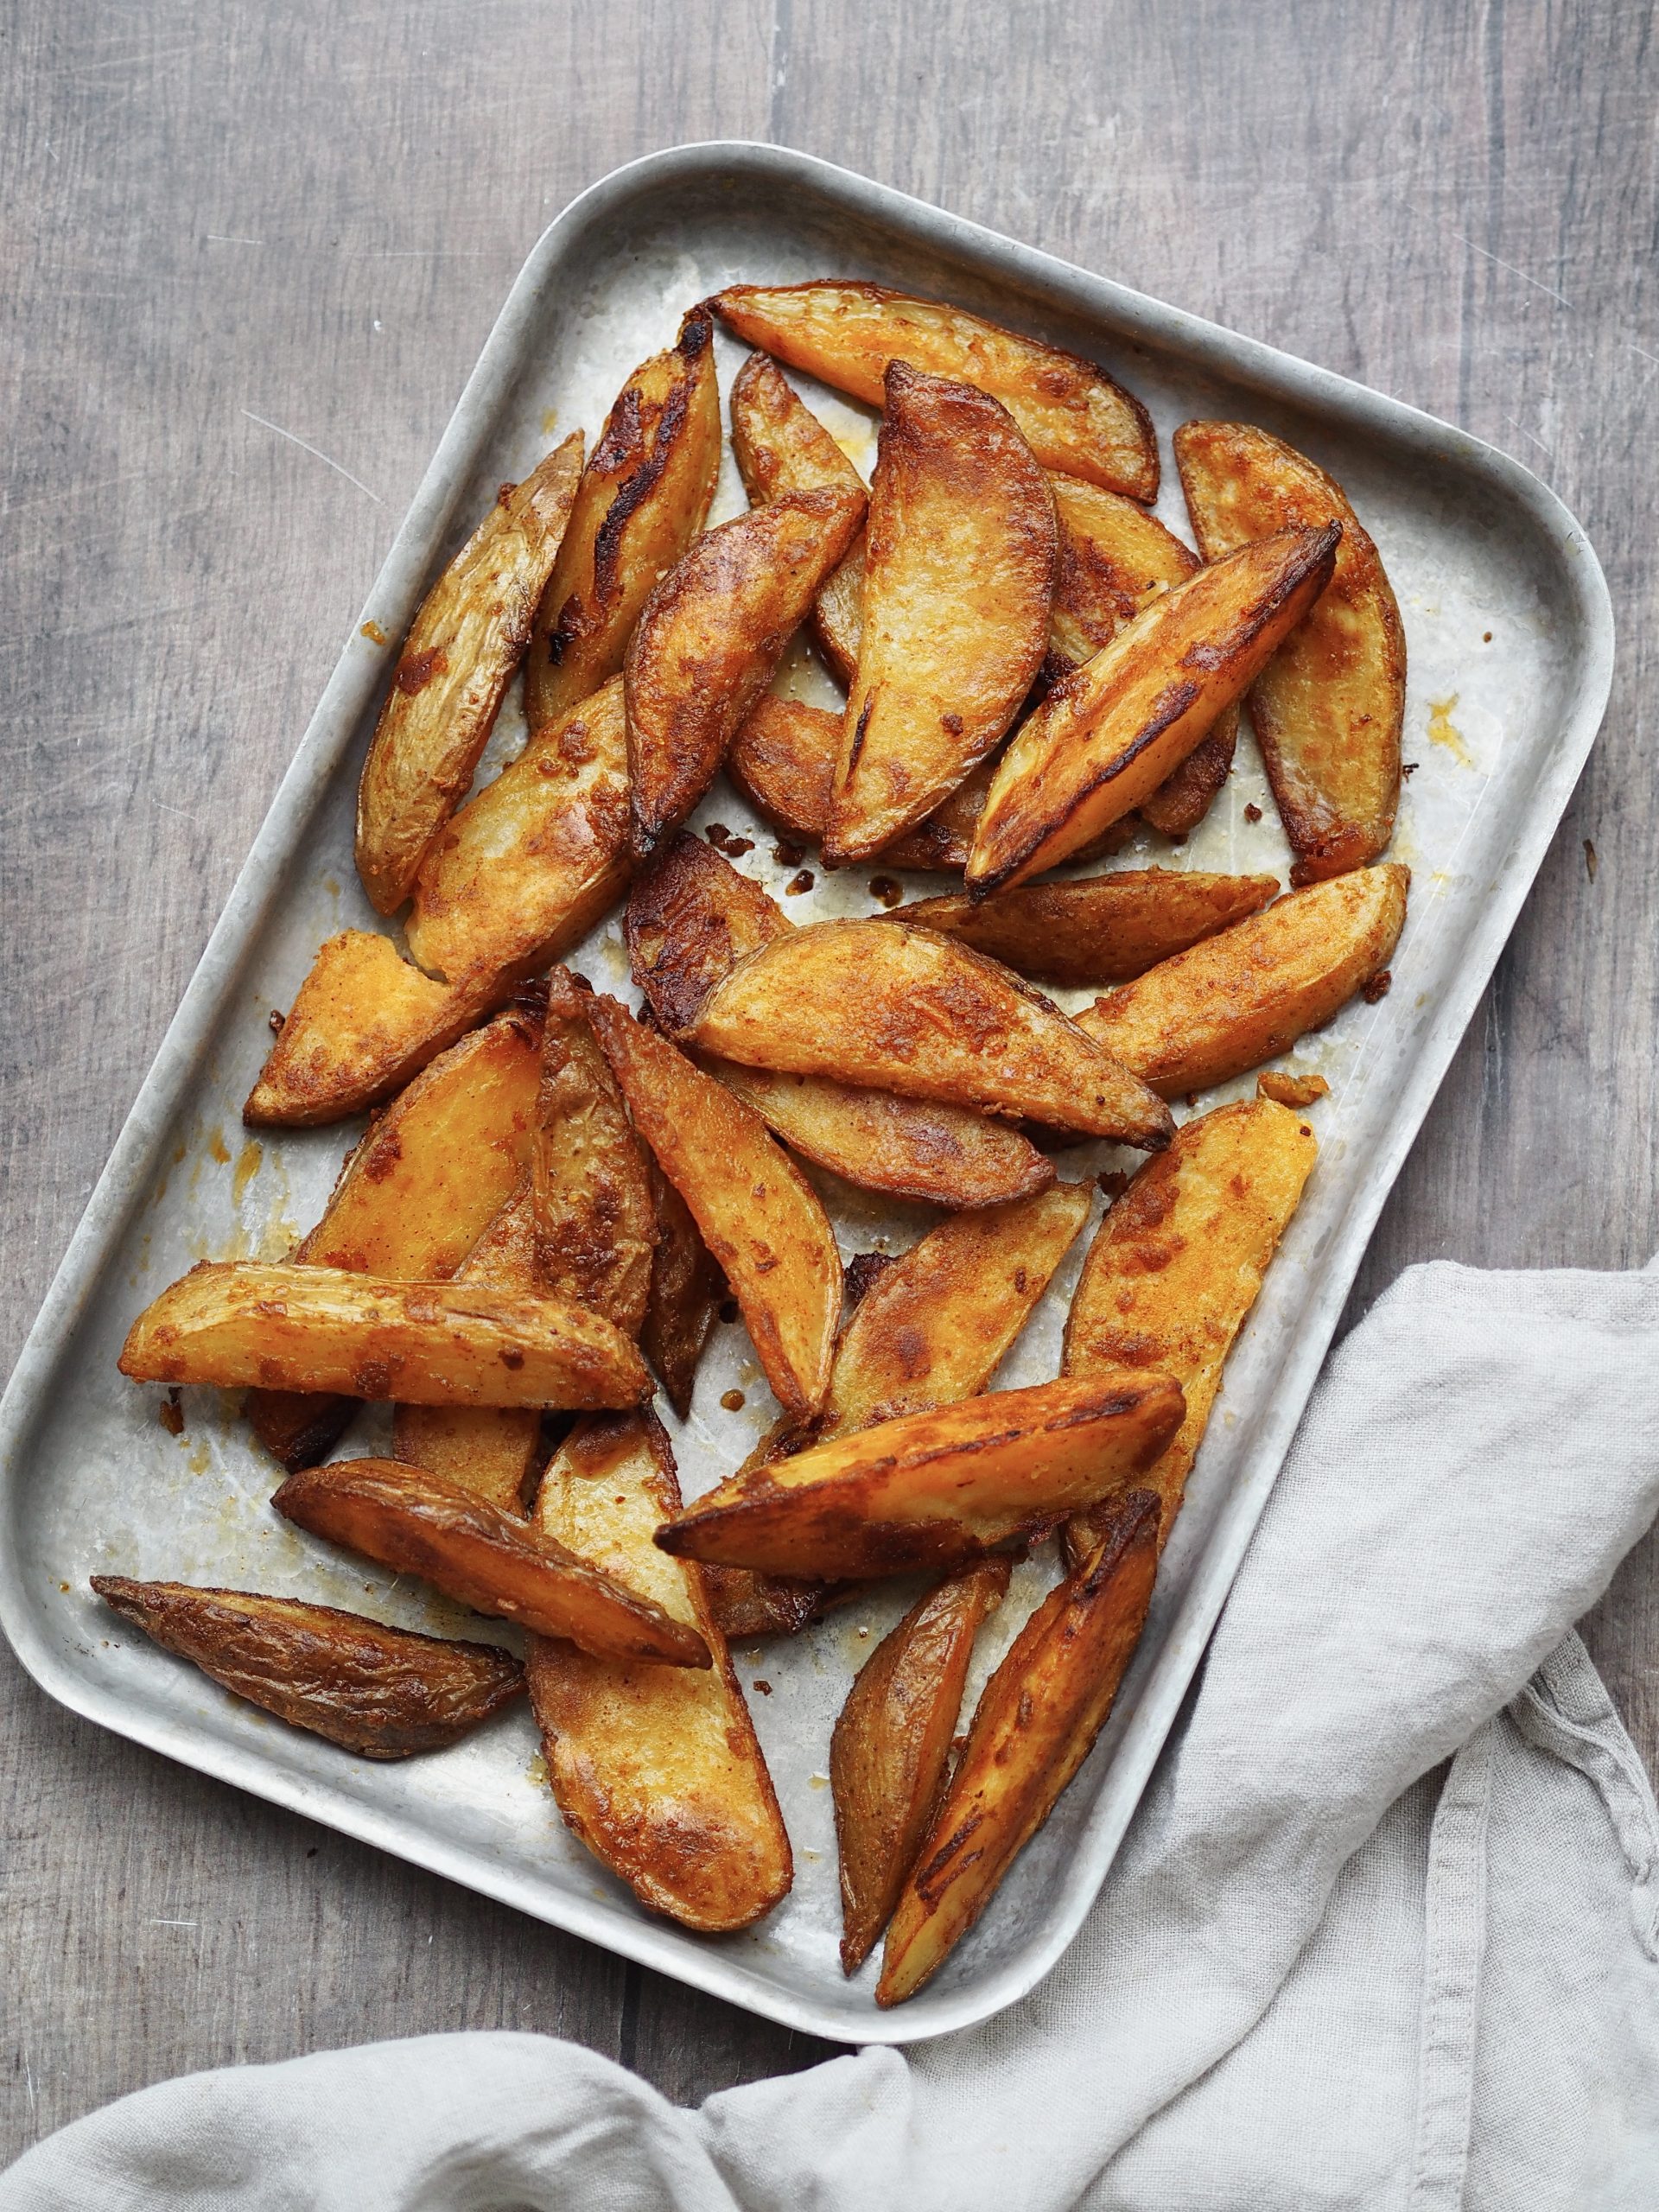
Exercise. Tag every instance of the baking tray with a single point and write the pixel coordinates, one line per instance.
(1510, 642)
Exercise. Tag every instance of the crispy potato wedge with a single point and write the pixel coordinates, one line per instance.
(657, 1769)
(363, 1022)
(881, 1004)
(892, 1744)
(943, 665)
(1109, 735)
(535, 859)
(1072, 415)
(1176, 1266)
(688, 1284)
(383, 1693)
(1239, 998)
(1036, 1723)
(708, 640)
(758, 1216)
(1329, 707)
(746, 1606)
(643, 496)
(461, 653)
(1094, 929)
(415, 1521)
(936, 1488)
(291, 1327)
(595, 1214)
(691, 918)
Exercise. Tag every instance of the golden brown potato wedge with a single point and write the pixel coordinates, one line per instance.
(959, 574)
(1036, 1723)
(1072, 415)
(937, 1488)
(746, 1606)
(1238, 998)
(461, 653)
(643, 496)
(657, 1769)
(288, 1327)
(418, 1522)
(1328, 708)
(383, 1693)
(1094, 929)
(688, 1284)
(892, 1743)
(535, 859)
(758, 1216)
(1109, 734)
(708, 642)
(363, 1022)
(881, 1004)
(691, 918)
(1175, 1266)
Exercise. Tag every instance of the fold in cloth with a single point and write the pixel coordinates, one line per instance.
(1385, 1930)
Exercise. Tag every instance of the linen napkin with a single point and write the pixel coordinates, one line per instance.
(1329, 1968)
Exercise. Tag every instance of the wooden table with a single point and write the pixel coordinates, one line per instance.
(252, 251)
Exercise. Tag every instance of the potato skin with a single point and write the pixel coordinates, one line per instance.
(1036, 1723)
(691, 918)
(1071, 414)
(686, 1288)
(382, 1692)
(1329, 707)
(1250, 992)
(643, 496)
(461, 651)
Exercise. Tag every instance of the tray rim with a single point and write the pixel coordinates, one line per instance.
(126, 1176)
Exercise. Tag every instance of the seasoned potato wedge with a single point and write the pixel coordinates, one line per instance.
(595, 1216)
(1238, 998)
(1328, 708)
(892, 1743)
(657, 1769)
(1036, 1723)
(959, 574)
(536, 859)
(461, 651)
(684, 1300)
(415, 1521)
(937, 1488)
(691, 918)
(1109, 735)
(880, 1002)
(709, 639)
(643, 496)
(1073, 416)
(363, 1022)
(758, 1214)
(746, 1606)
(289, 1327)
(383, 1693)
(1095, 930)
(1175, 1266)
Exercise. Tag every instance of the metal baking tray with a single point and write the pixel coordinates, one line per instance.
(1510, 642)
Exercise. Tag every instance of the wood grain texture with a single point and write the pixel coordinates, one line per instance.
(252, 253)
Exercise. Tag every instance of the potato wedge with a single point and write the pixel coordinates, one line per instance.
(416, 1522)
(746, 1606)
(289, 1327)
(1094, 929)
(881, 1004)
(1072, 415)
(758, 1216)
(643, 496)
(536, 858)
(936, 1488)
(942, 668)
(1176, 1266)
(1238, 998)
(708, 642)
(1329, 707)
(657, 1769)
(1109, 735)
(1036, 1723)
(687, 1286)
(462, 650)
(892, 1744)
(691, 918)
(383, 1693)
(362, 1023)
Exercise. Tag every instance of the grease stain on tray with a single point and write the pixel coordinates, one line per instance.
(1443, 731)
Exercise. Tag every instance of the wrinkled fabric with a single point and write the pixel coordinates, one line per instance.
(1385, 1932)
